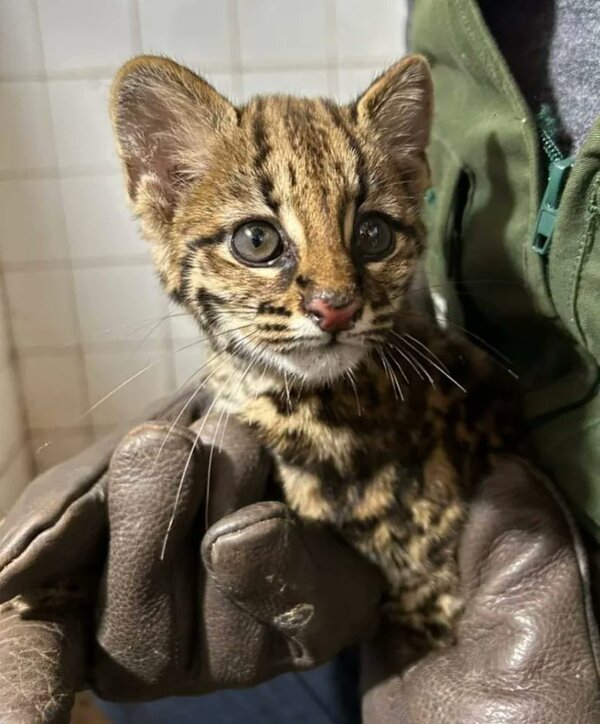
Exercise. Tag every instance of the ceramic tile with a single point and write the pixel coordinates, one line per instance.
(98, 219)
(191, 32)
(32, 221)
(14, 477)
(26, 140)
(42, 310)
(81, 124)
(301, 82)
(78, 34)
(282, 31)
(54, 390)
(374, 29)
(51, 447)
(187, 363)
(183, 327)
(20, 42)
(118, 304)
(106, 372)
(11, 415)
(353, 81)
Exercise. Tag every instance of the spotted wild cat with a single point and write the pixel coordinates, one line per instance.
(291, 230)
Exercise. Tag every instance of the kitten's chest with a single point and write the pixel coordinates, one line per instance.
(335, 447)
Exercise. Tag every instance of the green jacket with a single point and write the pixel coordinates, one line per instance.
(489, 175)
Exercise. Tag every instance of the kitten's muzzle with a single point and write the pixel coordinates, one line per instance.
(333, 315)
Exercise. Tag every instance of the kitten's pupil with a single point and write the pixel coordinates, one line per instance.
(257, 236)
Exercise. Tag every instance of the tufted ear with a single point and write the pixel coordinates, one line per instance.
(399, 106)
(166, 120)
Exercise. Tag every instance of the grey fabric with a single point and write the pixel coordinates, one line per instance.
(553, 50)
(575, 65)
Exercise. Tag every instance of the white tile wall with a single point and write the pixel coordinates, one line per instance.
(85, 308)
(81, 124)
(42, 311)
(99, 223)
(113, 301)
(10, 406)
(198, 33)
(15, 454)
(32, 221)
(283, 31)
(20, 42)
(150, 379)
(14, 477)
(26, 138)
(298, 82)
(85, 34)
(370, 30)
(54, 390)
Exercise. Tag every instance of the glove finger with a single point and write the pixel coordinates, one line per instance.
(147, 604)
(238, 467)
(527, 643)
(42, 660)
(58, 523)
(296, 594)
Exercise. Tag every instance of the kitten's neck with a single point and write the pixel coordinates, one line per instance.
(232, 381)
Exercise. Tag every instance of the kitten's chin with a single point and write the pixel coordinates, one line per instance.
(320, 366)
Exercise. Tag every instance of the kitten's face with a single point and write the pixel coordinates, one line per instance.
(289, 227)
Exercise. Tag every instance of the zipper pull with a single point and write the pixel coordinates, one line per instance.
(558, 172)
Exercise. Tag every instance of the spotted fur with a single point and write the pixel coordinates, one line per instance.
(381, 430)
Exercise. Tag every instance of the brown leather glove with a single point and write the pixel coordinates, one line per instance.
(256, 595)
(528, 650)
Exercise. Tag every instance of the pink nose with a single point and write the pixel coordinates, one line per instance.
(331, 317)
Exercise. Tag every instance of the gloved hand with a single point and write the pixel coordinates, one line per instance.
(257, 594)
(276, 595)
(528, 650)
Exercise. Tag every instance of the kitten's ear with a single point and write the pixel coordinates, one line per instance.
(399, 105)
(166, 120)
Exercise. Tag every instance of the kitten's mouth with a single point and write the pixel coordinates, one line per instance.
(325, 363)
(314, 357)
(318, 359)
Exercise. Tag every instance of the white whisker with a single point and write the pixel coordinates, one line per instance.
(214, 442)
(438, 366)
(187, 465)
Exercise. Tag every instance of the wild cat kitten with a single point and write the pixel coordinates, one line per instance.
(291, 230)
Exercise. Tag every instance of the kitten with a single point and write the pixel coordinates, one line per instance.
(291, 230)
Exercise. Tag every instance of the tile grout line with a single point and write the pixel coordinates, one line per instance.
(15, 365)
(83, 383)
(76, 263)
(332, 49)
(137, 42)
(115, 347)
(235, 46)
(15, 368)
(165, 342)
(107, 72)
(25, 441)
(56, 172)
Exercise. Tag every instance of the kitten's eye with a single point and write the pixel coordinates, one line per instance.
(257, 242)
(374, 239)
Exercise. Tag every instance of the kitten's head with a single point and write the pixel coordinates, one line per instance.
(288, 227)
